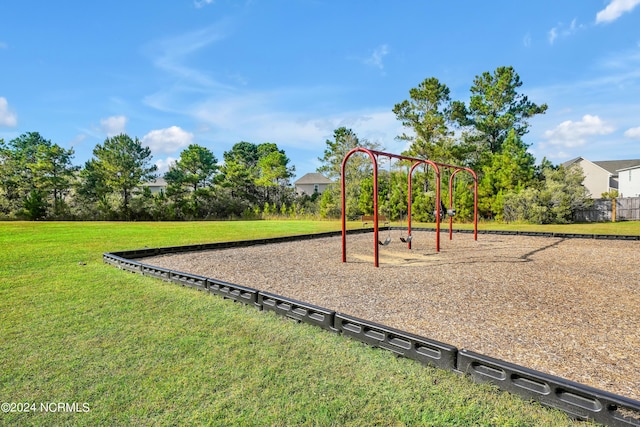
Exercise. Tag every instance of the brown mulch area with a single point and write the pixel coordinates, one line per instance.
(567, 307)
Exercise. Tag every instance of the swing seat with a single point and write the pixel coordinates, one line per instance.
(386, 241)
(406, 239)
(451, 212)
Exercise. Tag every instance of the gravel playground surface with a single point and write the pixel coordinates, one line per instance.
(567, 307)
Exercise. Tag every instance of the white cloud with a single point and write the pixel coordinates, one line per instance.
(164, 164)
(562, 30)
(376, 58)
(202, 3)
(570, 134)
(114, 125)
(258, 117)
(167, 140)
(3, 45)
(78, 140)
(526, 40)
(615, 9)
(7, 117)
(633, 133)
(170, 54)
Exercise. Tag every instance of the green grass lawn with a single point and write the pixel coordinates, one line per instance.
(138, 351)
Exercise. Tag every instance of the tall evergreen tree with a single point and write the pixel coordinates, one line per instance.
(495, 108)
(358, 168)
(274, 173)
(428, 114)
(196, 168)
(190, 182)
(121, 165)
(34, 174)
(510, 171)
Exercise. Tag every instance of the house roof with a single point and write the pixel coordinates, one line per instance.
(611, 166)
(615, 165)
(313, 178)
(158, 182)
(572, 161)
(630, 168)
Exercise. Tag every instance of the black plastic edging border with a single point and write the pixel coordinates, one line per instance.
(297, 310)
(577, 400)
(233, 292)
(530, 233)
(148, 252)
(401, 343)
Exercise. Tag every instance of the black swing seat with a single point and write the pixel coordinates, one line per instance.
(386, 241)
(406, 239)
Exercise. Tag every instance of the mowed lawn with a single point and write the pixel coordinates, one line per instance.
(116, 348)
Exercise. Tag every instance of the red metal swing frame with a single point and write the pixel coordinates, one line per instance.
(374, 154)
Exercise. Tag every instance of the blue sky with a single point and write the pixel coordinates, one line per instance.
(216, 72)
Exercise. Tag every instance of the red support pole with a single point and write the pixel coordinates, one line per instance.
(410, 201)
(376, 251)
(374, 161)
(343, 199)
(438, 207)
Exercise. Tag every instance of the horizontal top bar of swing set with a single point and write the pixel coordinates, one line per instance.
(411, 159)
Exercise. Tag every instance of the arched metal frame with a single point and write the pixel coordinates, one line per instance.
(373, 154)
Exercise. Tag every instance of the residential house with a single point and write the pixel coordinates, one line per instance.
(601, 176)
(156, 186)
(629, 181)
(312, 183)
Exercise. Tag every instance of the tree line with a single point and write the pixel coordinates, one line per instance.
(39, 181)
(485, 134)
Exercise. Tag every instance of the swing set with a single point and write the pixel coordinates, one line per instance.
(439, 210)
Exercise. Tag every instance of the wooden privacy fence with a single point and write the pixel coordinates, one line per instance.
(604, 210)
(628, 209)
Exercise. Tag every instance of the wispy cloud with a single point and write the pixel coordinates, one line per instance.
(615, 9)
(3, 45)
(377, 56)
(562, 30)
(167, 141)
(7, 116)
(633, 133)
(171, 54)
(571, 134)
(202, 3)
(78, 139)
(113, 125)
(553, 35)
(258, 117)
(606, 88)
(231, 112)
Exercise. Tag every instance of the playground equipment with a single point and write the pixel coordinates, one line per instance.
(388, 239)
(373, 155)
(402, 238)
